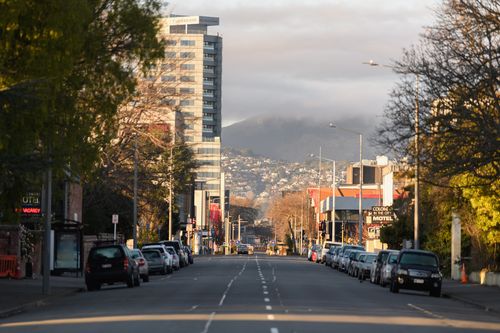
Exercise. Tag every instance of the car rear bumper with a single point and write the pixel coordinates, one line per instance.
(106, 277)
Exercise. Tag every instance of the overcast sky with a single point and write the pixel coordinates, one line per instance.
(304, 58)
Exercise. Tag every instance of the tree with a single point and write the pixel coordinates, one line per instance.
(66, 66)
(457, 64)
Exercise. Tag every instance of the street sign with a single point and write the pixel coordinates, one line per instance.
(114, 219)
(381, 214)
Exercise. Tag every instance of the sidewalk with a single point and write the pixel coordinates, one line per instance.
(21, 295)
(484, 297)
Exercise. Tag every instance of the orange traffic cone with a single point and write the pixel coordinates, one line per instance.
(463, 275)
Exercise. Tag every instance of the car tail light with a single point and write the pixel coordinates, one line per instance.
(141, 262)
(125, 264)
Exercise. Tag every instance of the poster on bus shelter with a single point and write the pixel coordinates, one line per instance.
(66, 251)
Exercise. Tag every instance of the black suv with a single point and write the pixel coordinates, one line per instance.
(109, 264)
(417, 270)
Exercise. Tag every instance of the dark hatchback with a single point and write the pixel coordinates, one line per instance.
(417, 270)
(110, 264)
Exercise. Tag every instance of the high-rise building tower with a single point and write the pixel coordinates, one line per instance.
(195, 73)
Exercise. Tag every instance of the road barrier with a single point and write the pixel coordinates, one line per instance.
(8, 266)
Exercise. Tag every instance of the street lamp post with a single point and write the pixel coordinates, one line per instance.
(416, 242)
(360, 203)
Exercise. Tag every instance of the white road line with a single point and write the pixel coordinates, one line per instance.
(425, 311)
(264, 287)
(263, 281)
(270, 317)
(268, 307)
(209, 322)
(267, 300)
(274, 330)
(266, 292)
(230, 284)
(193, 308)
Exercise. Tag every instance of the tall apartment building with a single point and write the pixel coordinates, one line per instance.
(194, 76)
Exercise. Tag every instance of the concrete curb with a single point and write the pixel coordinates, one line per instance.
(469, 302)
(36, 304)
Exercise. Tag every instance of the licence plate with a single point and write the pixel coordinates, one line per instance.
(106, 266)
(418, 281)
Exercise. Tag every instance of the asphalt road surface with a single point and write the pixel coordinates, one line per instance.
(252, 294)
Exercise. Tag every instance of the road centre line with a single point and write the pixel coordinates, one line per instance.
(230, 284)
(209, 322)
(269, 308)
(274, 330)
(425, 311)
(267, 300)
(266, 292)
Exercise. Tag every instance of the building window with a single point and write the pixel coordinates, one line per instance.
(208, 151)
(187, 67)
(187, 78)
(188, 114)
(186, 42)
(167, 67)
(168, 78)
(208, 69)
(208, 105)
(168, 90)
(209, 162)
(207, 175)
(186, 90)
(187, 55)
(188, 138)
(170, 54)
(187, 102)
(209, 57)
(171, 42)
(208, 81)
(209, 46)
(167, 101)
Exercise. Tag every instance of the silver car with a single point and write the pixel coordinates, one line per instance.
(365, 265)
(385, 276)
(176, 263)
(142, 263)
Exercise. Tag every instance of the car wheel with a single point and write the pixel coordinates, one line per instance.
(145, 278)
(137, 280)
(383, 283)
(91, 286)
(435, 292)
(130, 280)
(394, 288)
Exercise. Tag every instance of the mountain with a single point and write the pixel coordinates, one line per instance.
(295, 139)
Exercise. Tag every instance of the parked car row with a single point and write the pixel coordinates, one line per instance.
(406, 269)
(110, 264)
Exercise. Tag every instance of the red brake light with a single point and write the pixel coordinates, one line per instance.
(141, 262)
(125, 264)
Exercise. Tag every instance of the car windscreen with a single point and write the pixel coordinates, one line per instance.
(106, 253)
(159, 248)
(152, 255)
(171, 251)
(420, 259)
(175, 245)
(370, 258)
(393, 258)
(135, 254)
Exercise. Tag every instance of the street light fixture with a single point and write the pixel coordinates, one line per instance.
(360, 205)
(416, 241)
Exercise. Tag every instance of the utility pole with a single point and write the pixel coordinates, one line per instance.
(318, 220)
(239, 228)
(416, 242)
(134, 223)
(47, 231)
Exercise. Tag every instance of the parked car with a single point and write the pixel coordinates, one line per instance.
(417, 270)
(336, 257)
(354, 263)
(176, 260)
(324, 249)
(375, 271)
(156, 261)
(179, 248)
(365, 265)
(351, 261)
(329, 256)
(342, 260)
(242, 249)
(169, 260)
(142, 263)
(390, 261)
(315, 253)
(187, 249)
(110, 264)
